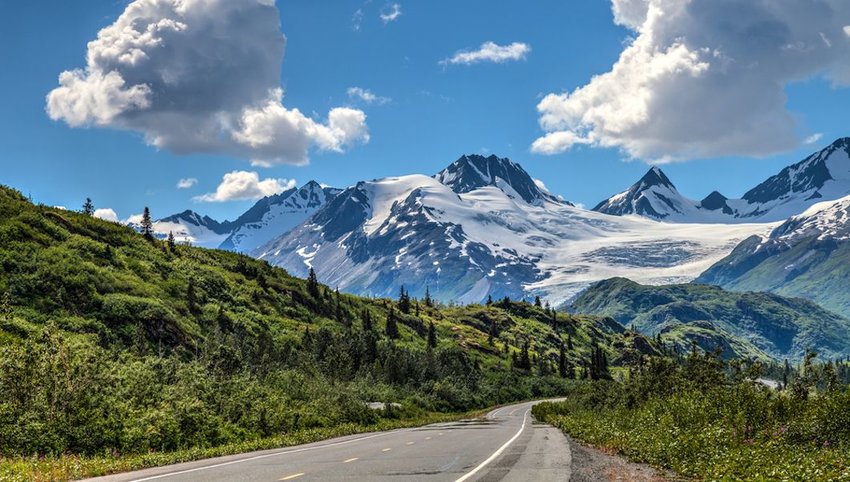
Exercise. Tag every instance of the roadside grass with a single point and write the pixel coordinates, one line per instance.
(706, 437)
(73, 467)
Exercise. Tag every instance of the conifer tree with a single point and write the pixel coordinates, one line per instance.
(537, 302)
(404, 301)
(171, 243)
(313, 284)
(570, 342)
(428, 301)
(562, 362)
(489, 300)
(88, 207)
(392, 325)
(191, 297)
(524, 358)
(147, 223)
(367, 321)
(432, 336)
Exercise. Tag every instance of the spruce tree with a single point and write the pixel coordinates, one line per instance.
(537, 302)
(313, 284)
(191, 297)
(392, 325)
(432, 336)
(489, 300)
(524, 358)
(570, 342)
(428, 301)
(147, 223)
(88, 207)
(171, 243)
(562, 362)
(367, 321)
(404, 301)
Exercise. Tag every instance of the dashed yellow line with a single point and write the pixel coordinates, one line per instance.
(427, 438)
(352, 459)
(293, 476)
(410, 443)
(386, 449)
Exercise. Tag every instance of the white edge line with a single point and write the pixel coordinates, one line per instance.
(257, 457)
(497, 452)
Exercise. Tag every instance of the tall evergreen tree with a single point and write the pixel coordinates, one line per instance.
(562, 362)
(489, 300)
(367, 321)
(428, 301)
(171, 243)
(191, 297)
(524, 358)
(570, 342)
(432, 336)
(392, 325)
(313, 284)
(404, 301)
(537, 302)
(147, 223)
(88, 207)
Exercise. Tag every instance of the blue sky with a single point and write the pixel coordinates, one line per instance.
(436, 113)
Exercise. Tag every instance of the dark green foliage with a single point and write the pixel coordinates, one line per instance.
(432, 336)
(313, 284)
(748, 325)
(404, 301)
(391, 329)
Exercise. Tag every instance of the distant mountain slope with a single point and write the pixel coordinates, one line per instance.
(778, 326)
(467, 233)
(824, 175)
(273, 216)
(807, 256)
(268, 218)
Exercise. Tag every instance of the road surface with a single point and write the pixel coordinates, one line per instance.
(506, 445)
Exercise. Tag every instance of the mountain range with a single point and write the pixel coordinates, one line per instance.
(824, 175)
(484, 227)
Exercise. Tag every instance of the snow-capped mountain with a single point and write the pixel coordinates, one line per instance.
(268, 218)
(472, 172)
(652, 196)
(468, 232)
(194, 228)
(275, 215)
(824, 175)
(807, 256)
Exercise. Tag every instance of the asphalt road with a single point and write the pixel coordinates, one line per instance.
(507, 445)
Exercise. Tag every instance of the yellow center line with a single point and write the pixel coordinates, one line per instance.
(352, 459)
(293, 476)
(386, 449)
(410, 443)
(427, 438)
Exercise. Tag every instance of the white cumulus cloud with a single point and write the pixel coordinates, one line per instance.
(245, 185)
(106, 214)
(701, 78)
(391, 13)
(366, 96)
(490, 52)
(186, 183)
(192, 76)
(813, 139)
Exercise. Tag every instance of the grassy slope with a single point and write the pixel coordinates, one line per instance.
(746, 324)
(95, 303)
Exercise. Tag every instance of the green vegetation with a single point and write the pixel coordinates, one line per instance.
(815, 269)
(712, 421)
(118, 351)
(747, 325)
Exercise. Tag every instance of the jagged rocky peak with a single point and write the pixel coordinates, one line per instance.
(655, 177)
(474, 171)
(716, 201)
(196, 219)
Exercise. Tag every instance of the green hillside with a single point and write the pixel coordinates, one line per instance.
(815, 269)
(745, 324)
(111, 342)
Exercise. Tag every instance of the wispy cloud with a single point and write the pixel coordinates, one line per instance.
(490, 52)
(814, 138)
(366, 96)
(186, 183)
(357, 20)
(391, 13)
